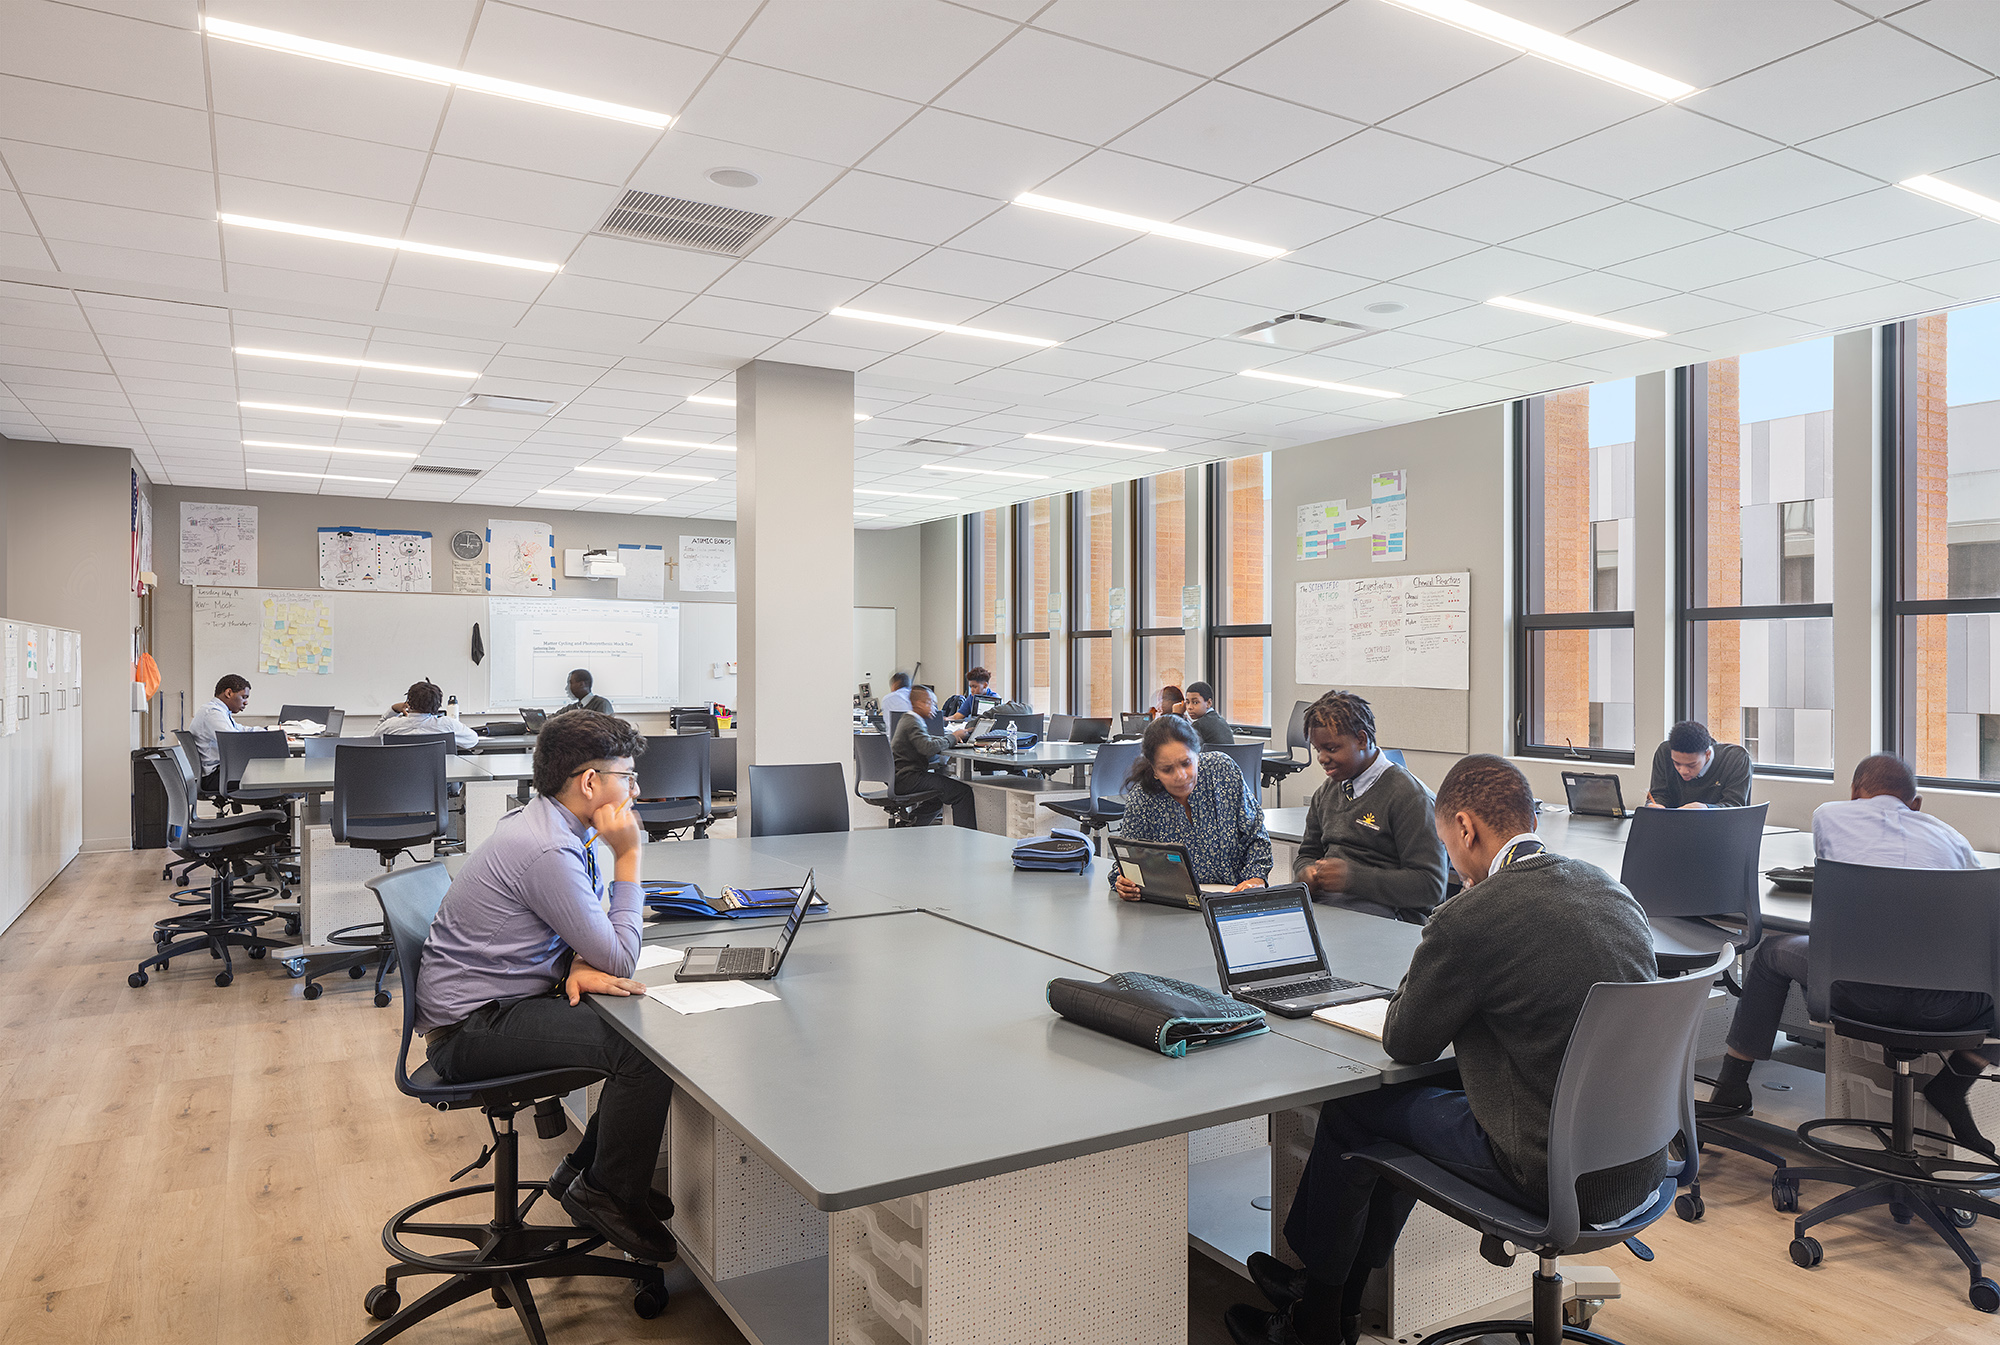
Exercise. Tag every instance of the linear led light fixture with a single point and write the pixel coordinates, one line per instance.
(1564, 315)
(985, 471)
(903, 494)
(1319, 383)
(328, 448)
(600, 495)
(634, 471)
(394, 244)
(353, 364)
(1958, 198)
(731, 401)
(1550, 47)
(679, 443)
(859, 514)
(951, 328)
(330, 411)
(318, 476)
(1093, 443)
(1149, 226)
(430, 74)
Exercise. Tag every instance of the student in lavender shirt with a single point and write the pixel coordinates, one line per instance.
(523, 935)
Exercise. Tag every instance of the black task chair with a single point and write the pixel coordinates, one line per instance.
(388, 797)
(1249, 758)
(324, 746)
(1036, 724)
(1089, 730)
(1277, 770)
(673, 786)
(1925, 929)
(507, 1252)
(1060, 728)
(791, 800)
(891, 719)
(205, 787)
(1624, 1093)
(229, 846)
(237, 751)
(1106, 803)
(873, 761)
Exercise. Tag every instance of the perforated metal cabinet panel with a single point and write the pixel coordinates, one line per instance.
(1715, 1020)
(1252, 1132)
(1009, 1261)
(732, 1213)
(1859, 1083)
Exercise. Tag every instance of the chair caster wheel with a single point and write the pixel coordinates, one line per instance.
(651, 1300)
(1807, 1253)
(291, 929)
(259, 954)
(382, 1302)
(1689, 1208)
(295, 967)
(136, 979)
(1961, 1218)
(1985, 1296)
(314, 991)
(500, 1299)
(1784, 1196)
(1902, 1214)
(381, 999)
(223, 978)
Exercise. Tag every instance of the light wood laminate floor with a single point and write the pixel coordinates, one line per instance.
(184, 1163)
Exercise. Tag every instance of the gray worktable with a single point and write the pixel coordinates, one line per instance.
(1042, 756)
(307, 775)
(775, 861)
(904, 1073)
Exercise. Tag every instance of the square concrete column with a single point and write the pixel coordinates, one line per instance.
(795, 564)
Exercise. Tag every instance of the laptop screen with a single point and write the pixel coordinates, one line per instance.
(1594, 794)
(1265, 936)
(797, 916)
(1154, 868)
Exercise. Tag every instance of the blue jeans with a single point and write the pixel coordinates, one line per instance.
(1344, 1215)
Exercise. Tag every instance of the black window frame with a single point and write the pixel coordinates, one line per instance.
(969, 532)
(1020, 518)
(1691, 558)
(1079, 502)
(1135, 606)
(1527, 623)
(1214, 566)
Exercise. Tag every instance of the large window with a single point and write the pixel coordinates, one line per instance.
(1034, 576)
(1757, 513)
(1162, 570)
(1944, 538)
(1093, 564)
(1575, 545)
(982, 592)
(1239, 587)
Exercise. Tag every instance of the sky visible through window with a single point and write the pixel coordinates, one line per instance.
(1972, 336)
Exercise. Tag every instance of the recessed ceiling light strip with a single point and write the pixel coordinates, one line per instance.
(328, 448)
(985, 471)
(679, 443)
(394, 244)
(601, 495)
(949, 328)
(318, 476)
(636, 471)
(1160, 227)
(903, 494)
(1550, 47)
(353, 364)
(1319, 383)
(1093, 443)
(1564, 315)
(294, 45)
(1956, 197)
(331, 411)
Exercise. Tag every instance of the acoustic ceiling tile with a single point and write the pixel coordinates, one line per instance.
(970, 154)
(1046, 83)
(1749, 193)
(908, 49)
(1376, 171)
(1679, 37)
(1504, 205)
(893, 208)
(1233, 133)
(1656, 149)
(1520, 109)
(1368, 62)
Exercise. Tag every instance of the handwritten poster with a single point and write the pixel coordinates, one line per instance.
(375, 560)
(645, 578)
(708, 565)
(219, 544)
(520, 558)
(1389, 500)
(1329, 526)
(1409, 630)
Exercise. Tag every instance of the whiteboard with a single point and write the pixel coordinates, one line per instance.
(875, 647)
(708, 645)
(632, 649)
(382, 642)
(1408, 630)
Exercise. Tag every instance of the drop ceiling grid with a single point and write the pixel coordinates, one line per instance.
(881, 192)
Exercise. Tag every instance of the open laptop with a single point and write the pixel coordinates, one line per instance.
(1163, 873)
(748, 964)
(534, 719)
(1090, 731)
(1594, 795)
(1267, 952)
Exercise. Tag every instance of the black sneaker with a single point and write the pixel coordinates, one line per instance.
(633, 1231)
(658, 1201)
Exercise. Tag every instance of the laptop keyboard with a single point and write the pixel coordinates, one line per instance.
(739, 961)
(1321, 985)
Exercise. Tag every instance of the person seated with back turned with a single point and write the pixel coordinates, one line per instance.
(422, 711)
(898, 699)
(1177, 796)
(1692, 770)
(523, 935)
(1370, 843)
(916, 750)
(1170, 701)
(232, 697)
(1207, 720)
(1500, 977)
(580, 682)
(1880, 824)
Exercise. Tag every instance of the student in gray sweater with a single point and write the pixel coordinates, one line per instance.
(1369, 842)
(916, 750)
(1563, 926)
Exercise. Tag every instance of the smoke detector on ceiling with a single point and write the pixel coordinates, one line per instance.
(733, 177)
(1302, 332)
(520, 406)
(1386, 307)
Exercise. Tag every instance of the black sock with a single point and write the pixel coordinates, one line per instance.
(1316, 1316)
(1732, 1083)
(1946, 1093)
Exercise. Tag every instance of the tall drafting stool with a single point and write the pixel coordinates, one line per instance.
(1625, 1092)
(1925, 929)
(506, 1252)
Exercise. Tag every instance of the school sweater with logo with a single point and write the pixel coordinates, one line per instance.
(1395, 862)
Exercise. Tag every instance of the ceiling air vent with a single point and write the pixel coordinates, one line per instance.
(950, 447)
(1303, 332)
(520, 406)
(443, 471)
(685, 224)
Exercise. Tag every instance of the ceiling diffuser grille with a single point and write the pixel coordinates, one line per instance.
(443, 471)
(683, 223)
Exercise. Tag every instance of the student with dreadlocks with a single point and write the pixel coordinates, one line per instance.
(1370, 843)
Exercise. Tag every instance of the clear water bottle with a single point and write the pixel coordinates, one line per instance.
(451, 706)
(1013, 737)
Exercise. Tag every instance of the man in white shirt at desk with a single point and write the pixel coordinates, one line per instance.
(1881, 824)
(232, 697)
(423, 712)
(898, 699)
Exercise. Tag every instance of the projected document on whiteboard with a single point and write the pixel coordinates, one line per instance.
(632, 650)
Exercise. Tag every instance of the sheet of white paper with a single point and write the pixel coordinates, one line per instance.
(1366, 1016)
(657, 955)
(701, 996)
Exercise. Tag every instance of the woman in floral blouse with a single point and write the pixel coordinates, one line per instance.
(1177, 796)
